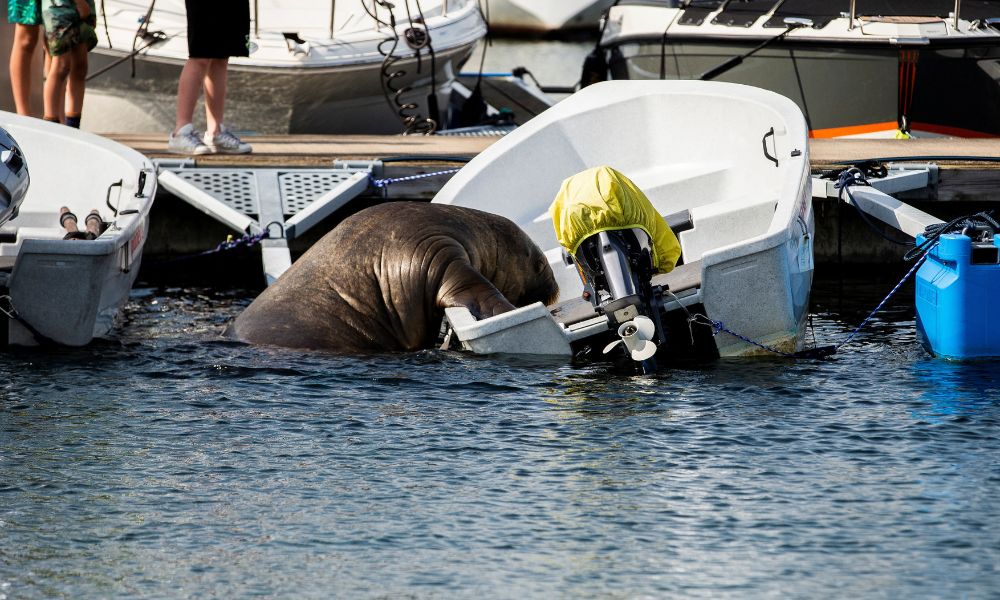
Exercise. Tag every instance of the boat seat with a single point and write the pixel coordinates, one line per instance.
(41, 233)
(572, 311)
(683, 277)
(682, 281)
(679, 221)
(10, 239)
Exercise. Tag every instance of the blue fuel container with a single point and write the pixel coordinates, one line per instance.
(958, 298)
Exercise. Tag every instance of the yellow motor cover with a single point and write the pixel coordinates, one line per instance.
(602, 199)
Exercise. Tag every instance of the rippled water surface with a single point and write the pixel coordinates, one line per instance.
(172, 464)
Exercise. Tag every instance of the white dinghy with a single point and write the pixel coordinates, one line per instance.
(69, 291)
(314, 66)
(727, 167)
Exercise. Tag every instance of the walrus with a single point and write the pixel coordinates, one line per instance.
(381, 279)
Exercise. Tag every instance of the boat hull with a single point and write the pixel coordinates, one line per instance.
(344, 99)
(534, 17)
(844, 90)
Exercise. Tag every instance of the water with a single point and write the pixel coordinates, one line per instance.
(169, 463)
(554, 63)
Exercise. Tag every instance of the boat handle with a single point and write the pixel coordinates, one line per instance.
(763, 142)
(142, 183)
(107, 200)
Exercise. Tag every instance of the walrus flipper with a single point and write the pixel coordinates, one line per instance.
(465, 286)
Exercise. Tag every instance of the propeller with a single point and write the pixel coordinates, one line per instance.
(636, 335)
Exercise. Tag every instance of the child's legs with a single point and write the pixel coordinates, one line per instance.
(55, 86)
(76, 85)
(215, 94)
(189, 88)
(21, 56)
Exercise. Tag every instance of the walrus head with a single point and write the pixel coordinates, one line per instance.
(511, 261)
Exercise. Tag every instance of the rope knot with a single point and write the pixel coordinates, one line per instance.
(852, 176)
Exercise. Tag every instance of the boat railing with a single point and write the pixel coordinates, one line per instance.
(446, 5)
(957, 13)
(256, 17)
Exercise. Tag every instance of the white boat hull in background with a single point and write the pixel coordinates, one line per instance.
(72, 291)
(545, 16)
(886, 73)
(326, 84)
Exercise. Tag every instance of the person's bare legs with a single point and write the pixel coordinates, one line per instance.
(68, 220)
(215, 95)
(93, 222)
(76, 85)
(55, 87)
(189, 89)
(21, 58)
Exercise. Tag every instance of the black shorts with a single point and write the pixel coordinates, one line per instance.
(218, 28)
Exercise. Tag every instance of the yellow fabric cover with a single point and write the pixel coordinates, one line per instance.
(602, 199)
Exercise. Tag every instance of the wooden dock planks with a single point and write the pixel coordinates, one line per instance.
(960, 177)
(964, 185)
(311, 150)
(315, 150)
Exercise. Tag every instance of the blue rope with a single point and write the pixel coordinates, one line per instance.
(719, 326)
(231, 243)
(246, 240)
(909, 274)
(383, 183)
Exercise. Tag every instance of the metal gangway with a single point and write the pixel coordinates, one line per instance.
(279, 203)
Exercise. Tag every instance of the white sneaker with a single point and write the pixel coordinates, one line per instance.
(187, 141)
(226, 142)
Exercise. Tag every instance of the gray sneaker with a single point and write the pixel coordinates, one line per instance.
(226, 142)
(187, 141)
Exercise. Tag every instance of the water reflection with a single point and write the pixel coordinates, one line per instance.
(955, 388)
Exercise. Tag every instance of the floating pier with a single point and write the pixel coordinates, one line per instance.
(310, 182)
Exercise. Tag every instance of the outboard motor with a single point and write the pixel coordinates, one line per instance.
(13, 177)
(618, 241)
(616, 268)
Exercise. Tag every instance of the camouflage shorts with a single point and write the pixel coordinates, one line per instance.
(64, 29)
(24, 12)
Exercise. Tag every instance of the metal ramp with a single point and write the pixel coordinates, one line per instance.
(284, 202)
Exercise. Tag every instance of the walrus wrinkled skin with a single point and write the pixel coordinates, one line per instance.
(380, 280)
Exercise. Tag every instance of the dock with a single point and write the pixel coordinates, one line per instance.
(967, 177)
(962, 175)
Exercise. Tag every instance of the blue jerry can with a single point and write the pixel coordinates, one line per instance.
(958, 298)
